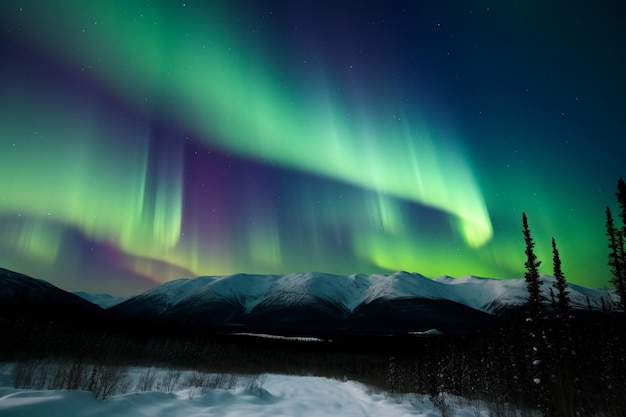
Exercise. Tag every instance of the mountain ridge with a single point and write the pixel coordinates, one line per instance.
(305, 302)
(300, 301)
(355, 289)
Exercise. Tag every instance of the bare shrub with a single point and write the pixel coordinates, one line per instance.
(254, 386)
(75, 376)
(23, 374)
(39, 375)
(229, 381)
(502, 409)
(146, 381)
(195, 379)
(192, 392)
(476, 407)
(105, 381)
(442, 405)
(215, 381)
(169, 382)
(58, 375)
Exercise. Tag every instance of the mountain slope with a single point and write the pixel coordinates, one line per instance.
(494, 295)
(102, 300)
(303, 302)
(19, 292)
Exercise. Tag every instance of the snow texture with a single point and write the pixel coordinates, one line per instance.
(279, 395)
(348, 292)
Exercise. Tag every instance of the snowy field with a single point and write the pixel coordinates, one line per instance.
(248, 396)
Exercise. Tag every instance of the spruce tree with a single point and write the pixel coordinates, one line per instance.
(533, 282)
(560, 285)
(621, 256)
(616, 257)
(565, 374)
(621, 200)
(536, 342)
(621, 251)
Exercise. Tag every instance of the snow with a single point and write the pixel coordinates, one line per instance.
(176, 291)
(277, 337)
(246, 289)
(403, 285)
(102, 300)
(485, 294)
(428, 332)
(273, 395)
(488, 294)
(346, 292)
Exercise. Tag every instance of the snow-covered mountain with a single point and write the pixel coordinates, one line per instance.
(314, 302)
(494, 295)
(301, 301)
(347, 292)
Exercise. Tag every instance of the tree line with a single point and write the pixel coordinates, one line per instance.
(553, 345)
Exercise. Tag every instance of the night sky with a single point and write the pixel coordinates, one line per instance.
(143, 141)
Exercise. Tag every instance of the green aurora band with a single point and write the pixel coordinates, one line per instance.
(199, 70)
(229, 95)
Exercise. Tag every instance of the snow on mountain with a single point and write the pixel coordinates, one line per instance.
(302, 288)
(102, 300)
(174, 292)
(158, 300)
(311, 300)
(243, 289)
(246, 289)
(348, 292)
(492, 295)
(485, 294)
(403, 285)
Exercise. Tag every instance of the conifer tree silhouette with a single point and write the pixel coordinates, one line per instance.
(536, 343)
(616, 257)
(563, 303)
(533, 281)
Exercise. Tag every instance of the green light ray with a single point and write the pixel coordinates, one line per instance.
(39, 240)
(223, 84)
(264, 245)
(68, 167)
(432, 258)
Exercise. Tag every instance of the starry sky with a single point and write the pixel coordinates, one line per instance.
(143, 141)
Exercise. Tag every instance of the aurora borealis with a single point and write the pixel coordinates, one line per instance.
(142, 141)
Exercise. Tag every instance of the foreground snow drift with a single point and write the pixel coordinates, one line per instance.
(269, 395)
